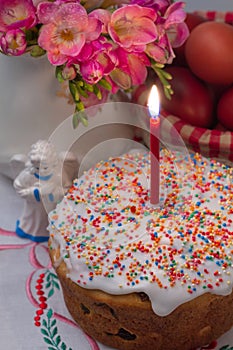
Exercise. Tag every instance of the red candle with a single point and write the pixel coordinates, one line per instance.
(153, 105)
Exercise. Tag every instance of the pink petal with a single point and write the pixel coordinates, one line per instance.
(17, 14)
(103, 16)
(93, 29)
(72, 48)
(178, 34)
(45, 40)
(156, 52)
(122, 79)
(175, 13)
(91, 71)
(130, 12)
(56, 58)
(73, 14)
(46, 11)
(130, 26)
(138, 71)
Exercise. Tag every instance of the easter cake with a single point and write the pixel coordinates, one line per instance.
(137, 276)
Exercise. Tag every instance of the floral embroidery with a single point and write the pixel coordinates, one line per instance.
(46, 286)
(50, 333)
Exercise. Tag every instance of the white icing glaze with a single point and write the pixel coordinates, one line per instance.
(112, 239)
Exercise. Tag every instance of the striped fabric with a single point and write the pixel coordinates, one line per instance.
(217, 16)
(210, 143)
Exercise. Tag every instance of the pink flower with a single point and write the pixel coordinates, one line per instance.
(173, 24)
(157, 52)
(66, 29)
(132, 27)
(96, 60)
(69, 72)
(17, 14)
(131, 68)
(161, 51)
(13, 42)
(172, 32)
(103, 16)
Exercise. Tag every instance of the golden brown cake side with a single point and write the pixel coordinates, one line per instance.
(127, 322)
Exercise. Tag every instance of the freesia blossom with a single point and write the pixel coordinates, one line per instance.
(97, 46)
(96, 60)
(173, 24)
(132, 27)
(69, 72)
(172, 32)
(131, 68)
(13, 42)
(66, 29)
(17, 14)
(104, 17)
(161, 51)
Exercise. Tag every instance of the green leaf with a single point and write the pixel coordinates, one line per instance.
(53, 323)
(63, 346)
(58, 340)
(56, 285)
(54, 332)
(50, 314)
(52, 348)
(48, 285)
(51, 292)
(44, 332)
(44, 323)
(48, 341)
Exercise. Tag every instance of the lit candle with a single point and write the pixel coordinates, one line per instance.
(153, 106)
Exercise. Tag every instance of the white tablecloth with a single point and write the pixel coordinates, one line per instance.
(28, 285)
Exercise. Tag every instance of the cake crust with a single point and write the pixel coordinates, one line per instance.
(127, 322)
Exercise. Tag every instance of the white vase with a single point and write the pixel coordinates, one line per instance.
(29, 106)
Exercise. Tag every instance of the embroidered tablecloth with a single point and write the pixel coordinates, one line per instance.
(32, 312)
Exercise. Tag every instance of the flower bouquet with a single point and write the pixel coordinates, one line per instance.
(97, 47)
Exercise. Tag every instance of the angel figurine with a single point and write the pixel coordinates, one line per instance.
(45, 178)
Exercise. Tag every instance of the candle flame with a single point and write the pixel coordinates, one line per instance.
(153, 102)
